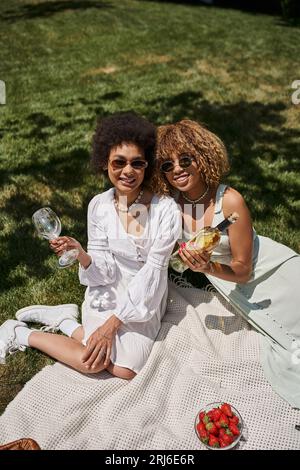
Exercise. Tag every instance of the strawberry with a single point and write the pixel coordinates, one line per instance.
(216, 414)
(210, 414)
(222, 432)
(234, 429)
(226, 409)
(222, 443)
(234, 420)
(201, 415)
(201, 427)
(213, 441)
(212, 428)
(227, 439)
(224, 421)
(218, 424)
(205, 419)
(203, 433)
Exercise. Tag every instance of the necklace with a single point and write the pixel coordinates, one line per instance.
(195, 201)
(135, 202)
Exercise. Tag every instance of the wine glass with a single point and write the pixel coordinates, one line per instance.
(48, 225)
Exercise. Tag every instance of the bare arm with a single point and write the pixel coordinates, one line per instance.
(240, 237)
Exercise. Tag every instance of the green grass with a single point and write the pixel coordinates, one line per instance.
(65, 62)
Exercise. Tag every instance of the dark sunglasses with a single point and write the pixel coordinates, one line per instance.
(184, 162)
(119, 163)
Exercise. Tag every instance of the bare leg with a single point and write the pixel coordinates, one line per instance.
(117, 371)
(64, 349)
(121, 372)
(70, 350)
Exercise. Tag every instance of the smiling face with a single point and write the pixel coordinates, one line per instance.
(184, 178)
(188, 137)
(126, 180)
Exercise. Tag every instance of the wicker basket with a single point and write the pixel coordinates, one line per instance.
(21, 444)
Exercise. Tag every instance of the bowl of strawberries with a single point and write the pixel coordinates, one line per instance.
(219, 426)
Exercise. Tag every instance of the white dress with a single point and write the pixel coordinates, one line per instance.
(270, 302)
(128, 275)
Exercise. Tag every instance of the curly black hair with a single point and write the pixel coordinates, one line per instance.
(123, 127)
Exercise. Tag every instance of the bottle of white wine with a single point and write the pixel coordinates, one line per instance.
(205, 240)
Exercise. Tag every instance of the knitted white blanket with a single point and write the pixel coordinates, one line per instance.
(204, 353)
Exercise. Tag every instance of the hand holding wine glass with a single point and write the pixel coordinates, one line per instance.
(61, 244)
(48, 225)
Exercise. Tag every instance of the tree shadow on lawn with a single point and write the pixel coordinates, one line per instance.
(250, 130)
(22, 246)
(46, 9)
(40, 126)
(250, 6)
(256, 7)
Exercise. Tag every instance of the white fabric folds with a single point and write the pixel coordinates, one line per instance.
(128, 276)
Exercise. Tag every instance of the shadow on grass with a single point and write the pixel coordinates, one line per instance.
(251, 131)
(46, 9)
(22, 247)
(40, 126)
(253, 7)
(60, 175)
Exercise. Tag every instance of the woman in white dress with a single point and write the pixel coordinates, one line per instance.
(257, 275)
(131, 234)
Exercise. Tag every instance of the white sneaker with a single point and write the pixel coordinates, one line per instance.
(8, 340)
(51, 316)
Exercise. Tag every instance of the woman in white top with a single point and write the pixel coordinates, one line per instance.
(131, 234)
(257, 275)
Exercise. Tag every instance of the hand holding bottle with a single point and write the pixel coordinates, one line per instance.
(199, 248)
(195, 260)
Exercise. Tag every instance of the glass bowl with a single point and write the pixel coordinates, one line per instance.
(240, 425)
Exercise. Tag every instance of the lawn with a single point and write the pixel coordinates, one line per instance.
(66, 62)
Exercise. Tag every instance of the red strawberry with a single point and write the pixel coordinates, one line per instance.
(216, 414)
(227, 439)
(234, 420)
(226, 409)
(224, 421)
(201, 427)
(234, 429)
(218, 424)
(210, 414)
(213, 441)
(212, 428)
(203, 434)
(201, 415)
(205, 419)
(222, 432)
(222, 443)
